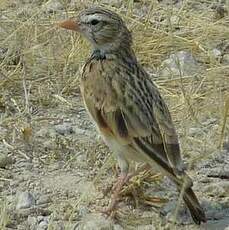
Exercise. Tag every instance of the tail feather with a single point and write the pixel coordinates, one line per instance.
(196, 211)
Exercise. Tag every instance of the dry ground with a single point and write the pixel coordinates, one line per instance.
(49, 147)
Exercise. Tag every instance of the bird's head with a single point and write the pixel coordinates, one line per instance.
(104, 29)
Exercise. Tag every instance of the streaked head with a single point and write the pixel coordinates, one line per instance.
(103, 28)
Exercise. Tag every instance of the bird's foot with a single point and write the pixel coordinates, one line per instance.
(116, 190)
(121, 181)
(118, 187)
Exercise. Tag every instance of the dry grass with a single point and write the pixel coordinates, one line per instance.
(40, 69)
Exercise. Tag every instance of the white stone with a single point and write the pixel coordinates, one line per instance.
(53, 5)
(216, 53)
(178, 63)
(25, 200)
(225, 59)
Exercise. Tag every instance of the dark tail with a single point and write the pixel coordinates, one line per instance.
(194, 207)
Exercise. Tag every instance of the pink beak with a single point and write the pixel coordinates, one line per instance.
(69, 25)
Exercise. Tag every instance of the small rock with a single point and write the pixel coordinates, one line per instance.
(32, 222)
(5, 160)
(193, 131)
(43, 225)
(83, 211)
(217, 53)
(25, 200)
(181, 62)
(53, 6)
(64, 129)
(115, 3)
(225, 59)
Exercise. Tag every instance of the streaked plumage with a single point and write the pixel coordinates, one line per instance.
(125, 104)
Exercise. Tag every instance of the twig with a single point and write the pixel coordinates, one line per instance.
(26, 93)
(5, 179)
(12, 148)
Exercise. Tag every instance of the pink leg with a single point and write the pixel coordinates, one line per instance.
(122, 180)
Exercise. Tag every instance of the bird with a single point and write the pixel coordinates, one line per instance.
(126, 105)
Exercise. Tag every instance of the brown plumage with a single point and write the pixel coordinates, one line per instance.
(125, 104)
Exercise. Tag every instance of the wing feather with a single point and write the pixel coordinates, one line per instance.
(147, 121)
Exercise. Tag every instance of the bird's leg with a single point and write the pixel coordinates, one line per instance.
(122, 179)
(117, 188)
(125, 177)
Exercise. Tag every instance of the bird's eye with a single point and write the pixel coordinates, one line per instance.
(94, 22)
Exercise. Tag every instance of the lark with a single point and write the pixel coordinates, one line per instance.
(126, 105)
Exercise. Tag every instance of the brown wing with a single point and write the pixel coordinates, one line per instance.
(142, 117)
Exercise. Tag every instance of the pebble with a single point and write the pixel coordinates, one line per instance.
(32, 222)
(225, 59)
(64, 129)
(25, 200)
(83, 211)
(181, 62)
(43, 225)
(115, 3)
(216, 53)
(194, 131)
(5, 160)
(53, 6)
